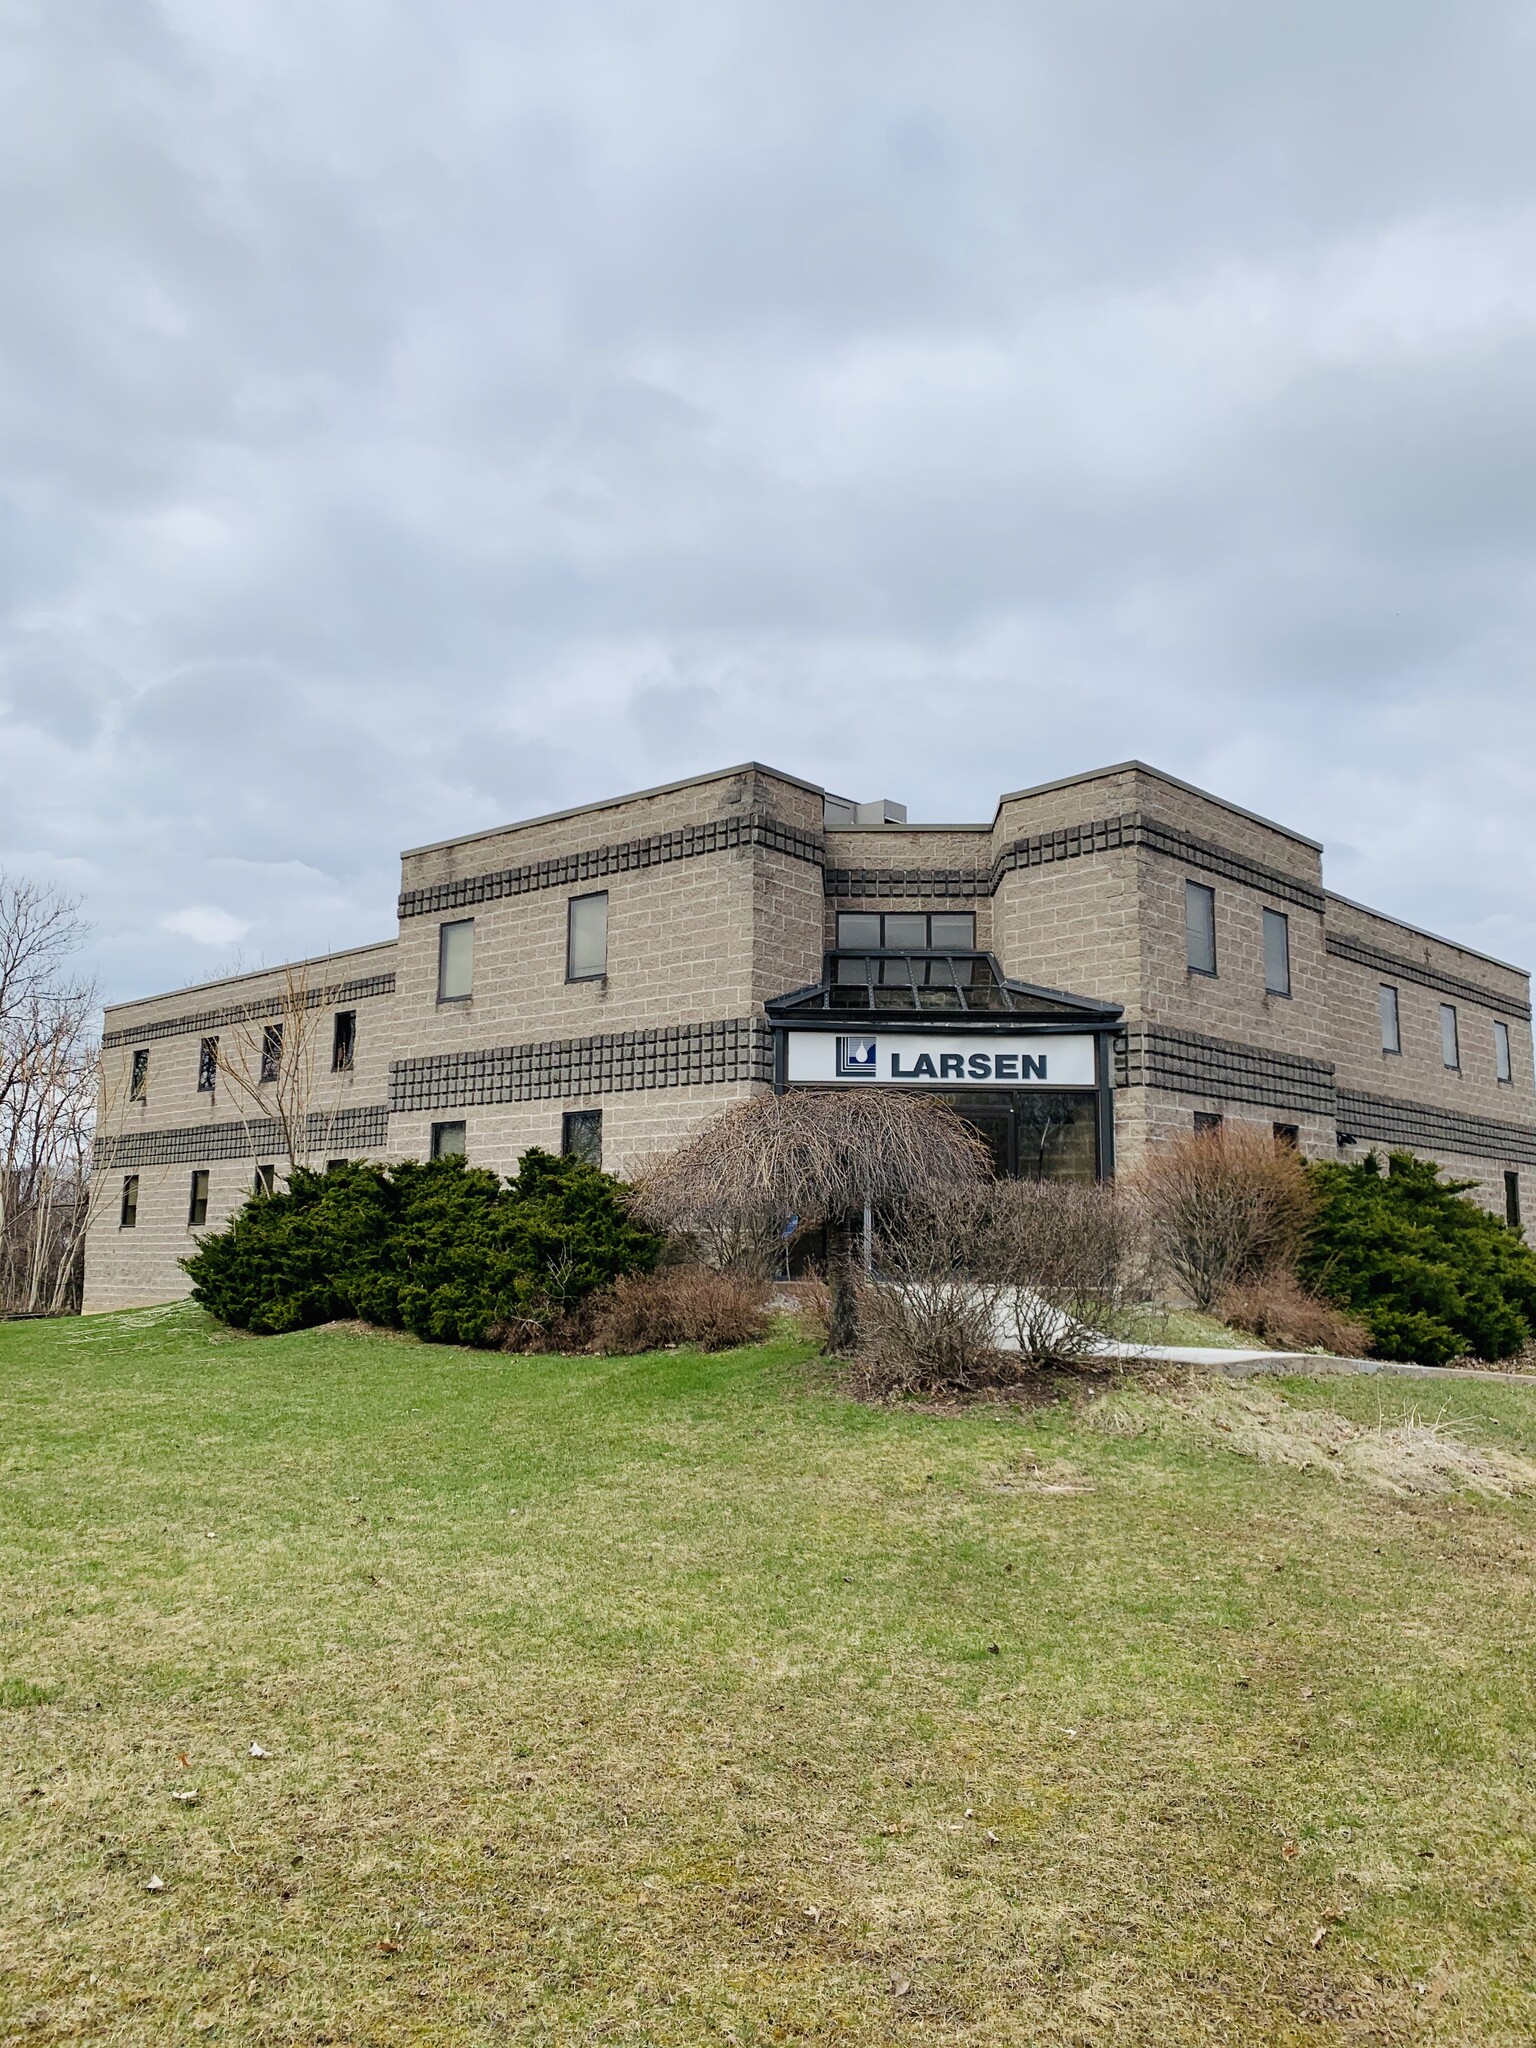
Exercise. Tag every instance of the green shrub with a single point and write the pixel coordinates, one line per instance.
(1430, 1274)
(447, 1251)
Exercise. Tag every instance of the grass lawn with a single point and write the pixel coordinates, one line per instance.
(680, 1699)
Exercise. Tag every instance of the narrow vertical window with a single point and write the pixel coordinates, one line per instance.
(1512, 1200)
(266, 1180)
(128, 1219)
(1503, 1065)
(1450, 1042)
(1277, 953)
(343, 1041)
(207, 1065)
(456, 960)
(586, 937)
(1391, 1032)
(449, 1141)
(1200, 927)
(581, 1135)
(197, 1205)
(138, 1086)
(271, 1051)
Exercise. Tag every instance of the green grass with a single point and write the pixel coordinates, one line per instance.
(680, 1699)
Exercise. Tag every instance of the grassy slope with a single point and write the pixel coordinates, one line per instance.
(585, 1681)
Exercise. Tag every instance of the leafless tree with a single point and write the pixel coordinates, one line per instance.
(276, 1070)
(824, 1156)
(48, 1063)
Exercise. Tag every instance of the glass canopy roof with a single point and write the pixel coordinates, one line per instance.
(929, 984)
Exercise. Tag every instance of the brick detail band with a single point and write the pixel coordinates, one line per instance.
(1185, 1063)
(253, 1011)
(718, 835)
(347, 1131)
(679, 1056)
(1133, 830)
(1420, 1126)
(1394, 968)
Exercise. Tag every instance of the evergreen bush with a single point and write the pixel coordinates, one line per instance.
(1430, 1274)
(448, 1251)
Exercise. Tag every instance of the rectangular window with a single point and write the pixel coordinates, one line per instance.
(334, 1165)
(581, 1135)
(343, 1041)
(1512, 1200)
(1503, 1065)
(1391, 1031)
(1207, 1120)
(129, 1216)
(266, 1180)
(1277, 953)
(1288, 1134)
(271, 1051)
(907, 931)
(456, 960)
(1200, 927)
(197, 1206)
(138, 1086)
(1450, 1042)
(207, 1065)
(586, 937)
(449, 1141)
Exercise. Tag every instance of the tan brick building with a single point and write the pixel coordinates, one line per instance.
(1113, 957)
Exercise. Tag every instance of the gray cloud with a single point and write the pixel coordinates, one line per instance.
(418, 416)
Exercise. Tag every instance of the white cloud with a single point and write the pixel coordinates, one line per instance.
(207, 924)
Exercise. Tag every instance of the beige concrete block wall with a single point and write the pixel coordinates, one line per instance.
(1073, 926)
(1149, 1117)
(139, 1267)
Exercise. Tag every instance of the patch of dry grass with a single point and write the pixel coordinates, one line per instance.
(681, 1700)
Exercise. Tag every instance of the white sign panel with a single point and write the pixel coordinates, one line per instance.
(948, 1059)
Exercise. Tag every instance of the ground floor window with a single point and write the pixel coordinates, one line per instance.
(1207, 1120)
(1034, 1134)
(581, 1135)
(1512, 1200)
(448, 1140)
(266, 1180)
(130, 1211)
(197, 1204)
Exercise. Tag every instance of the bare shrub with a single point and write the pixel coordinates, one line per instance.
(1075, 1258)
(1278, 1309)
(679, 1305)
(819, 1155)
(929, 1324)
(1226, 1207)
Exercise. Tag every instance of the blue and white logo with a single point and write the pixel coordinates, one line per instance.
(856, 1057)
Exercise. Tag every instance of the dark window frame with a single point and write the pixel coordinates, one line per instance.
(1276, 920)
(571, 903)
(1207, 1121)
(138, 1075)
(343, 1041)
(128, 1210)
(1451, 1042)
(271, 1053)
(883, 944)
(1512, 1199)
(1503, 1054)
(1383, 990)
(208, 1066)
(437, 1149)
(1287, 1134)
(577, 1128)
(1203, 893)
(266, 1180)
(454, 924)
(197, 1197)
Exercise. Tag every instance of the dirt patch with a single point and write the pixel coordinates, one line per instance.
(1418, 1456)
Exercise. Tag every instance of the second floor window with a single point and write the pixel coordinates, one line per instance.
(1277, 953)
(343, 1041)
(1391, 1030)
(207, 1066)
(138, 1086)
(907, 931)
(1200, 927)
(456, 960)
(1450, 1042)
(586, 937)
(1503, 1065)
(271, 1051)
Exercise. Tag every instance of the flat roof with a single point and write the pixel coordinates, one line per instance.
(250, 974)
(1177, 781)
(1434, 938)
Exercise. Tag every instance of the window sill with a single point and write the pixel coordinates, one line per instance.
(586, 980)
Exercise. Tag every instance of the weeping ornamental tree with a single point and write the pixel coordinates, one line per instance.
(822, 1157)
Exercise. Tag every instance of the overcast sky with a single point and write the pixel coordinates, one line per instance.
(421, 416)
